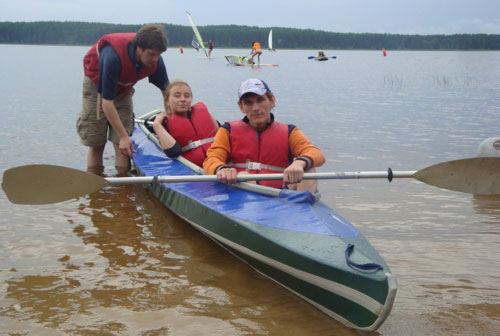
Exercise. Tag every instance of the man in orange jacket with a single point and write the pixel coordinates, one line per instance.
(257, 144)
(256, 51)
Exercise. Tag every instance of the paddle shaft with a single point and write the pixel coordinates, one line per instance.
(258, 177)
(45, 184)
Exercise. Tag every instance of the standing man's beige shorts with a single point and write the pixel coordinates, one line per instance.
(92, 126)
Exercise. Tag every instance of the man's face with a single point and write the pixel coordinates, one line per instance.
(257, 109)
(148, 57)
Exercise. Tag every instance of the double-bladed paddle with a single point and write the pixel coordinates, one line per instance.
(45, 184)
(311, 57)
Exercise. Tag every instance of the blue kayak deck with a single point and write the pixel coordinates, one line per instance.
(309, 215)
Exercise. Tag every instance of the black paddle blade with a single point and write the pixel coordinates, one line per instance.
(45, 184)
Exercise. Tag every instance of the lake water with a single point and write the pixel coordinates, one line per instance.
(118, 262)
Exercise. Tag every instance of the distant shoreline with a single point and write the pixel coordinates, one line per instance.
(170, 47)
(60, 33)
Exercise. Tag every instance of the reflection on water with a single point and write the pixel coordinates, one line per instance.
(119, 263)
(489, 207)
(139, 269)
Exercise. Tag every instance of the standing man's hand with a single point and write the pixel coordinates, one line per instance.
(126, 146)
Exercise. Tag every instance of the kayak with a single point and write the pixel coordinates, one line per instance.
(321, 58)
(290, 237)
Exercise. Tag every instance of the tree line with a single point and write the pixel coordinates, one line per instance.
(236, 36)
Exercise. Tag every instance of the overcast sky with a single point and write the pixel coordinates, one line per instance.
(358, 16)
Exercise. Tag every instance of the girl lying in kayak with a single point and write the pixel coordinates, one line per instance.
(188, 130)
(257, 144)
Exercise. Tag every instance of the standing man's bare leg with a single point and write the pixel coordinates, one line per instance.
(122, 162)
(94, 159)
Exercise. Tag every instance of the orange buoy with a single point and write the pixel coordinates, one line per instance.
(384, 52)
(182, 51)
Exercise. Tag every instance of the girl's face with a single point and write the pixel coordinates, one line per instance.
(179, 99)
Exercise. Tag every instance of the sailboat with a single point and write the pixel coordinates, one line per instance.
(197, 35)
(270, 41)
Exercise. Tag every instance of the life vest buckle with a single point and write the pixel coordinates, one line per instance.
(253, 165)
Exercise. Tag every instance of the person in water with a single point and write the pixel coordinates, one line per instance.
(258, 144)
(184, 129)
(112, 67)
(211, 46)
(256, 51)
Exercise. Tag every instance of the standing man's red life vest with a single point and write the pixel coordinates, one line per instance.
(129, 74)
(260, 153)
(194, 135)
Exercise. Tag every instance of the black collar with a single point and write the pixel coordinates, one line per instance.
(245, 119)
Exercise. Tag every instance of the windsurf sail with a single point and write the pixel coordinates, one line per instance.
(195, 43)
(197, 34)
(270, 40)
(237, 60)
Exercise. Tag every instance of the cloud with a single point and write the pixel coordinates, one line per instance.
(476, 25)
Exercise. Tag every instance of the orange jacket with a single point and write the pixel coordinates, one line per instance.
(298, 143)
(256, 46)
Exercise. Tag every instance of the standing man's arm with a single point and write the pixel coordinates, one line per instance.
(164, 93)
(161, 81)
(126, 146)
(109, 72)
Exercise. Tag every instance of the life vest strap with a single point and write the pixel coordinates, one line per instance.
(195, 144)
(249, 165)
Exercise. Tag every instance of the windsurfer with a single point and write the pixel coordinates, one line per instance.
(211, 46)
(256, 51)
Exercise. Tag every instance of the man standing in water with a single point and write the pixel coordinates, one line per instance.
(256, 50)
(112, 67)
(211, 46)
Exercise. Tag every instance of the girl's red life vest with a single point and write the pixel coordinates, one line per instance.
(260, 153)
(194, 135)
(129, 74)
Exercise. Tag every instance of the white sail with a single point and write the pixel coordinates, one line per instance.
(270, 40)
(195, 43)
(197, 33)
